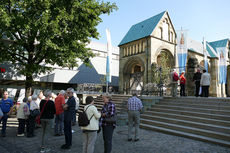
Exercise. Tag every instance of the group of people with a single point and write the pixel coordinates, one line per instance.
(201, 80)
(45, 108)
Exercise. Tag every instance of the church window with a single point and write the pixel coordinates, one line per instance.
(130, 50)
(134, 49)
(165, 30)
(138, 48)
(124, 52)
(171, 35)
(160, 33)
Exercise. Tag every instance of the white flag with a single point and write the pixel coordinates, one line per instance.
(109, 57)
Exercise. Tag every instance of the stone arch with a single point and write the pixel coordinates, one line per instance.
(131, 62)
(133, 75)
(202, 65)
(161, 50)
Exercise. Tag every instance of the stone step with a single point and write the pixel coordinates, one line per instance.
(99, 107)
(198, 131)
(200, 125)
(188, 118)
(210, 101)
(197, 105)
(192, 109)
(116, 102)
(185, 134)
(190, 113)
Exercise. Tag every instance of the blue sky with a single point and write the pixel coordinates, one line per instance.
(202, 18)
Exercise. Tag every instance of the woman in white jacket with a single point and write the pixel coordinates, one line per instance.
(22, 115)
(90, 131)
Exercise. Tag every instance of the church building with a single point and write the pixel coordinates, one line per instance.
(144, 44)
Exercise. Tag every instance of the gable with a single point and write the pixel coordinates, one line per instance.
(165, 27)
(142, 29)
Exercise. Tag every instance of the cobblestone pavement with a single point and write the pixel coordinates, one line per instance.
(150, 142)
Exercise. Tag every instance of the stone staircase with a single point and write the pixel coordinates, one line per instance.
(205, 119)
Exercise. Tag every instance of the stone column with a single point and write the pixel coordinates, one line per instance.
(214, 86)
(190, 86)
(228, 81)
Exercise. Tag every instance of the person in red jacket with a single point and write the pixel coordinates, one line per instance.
(182, 84)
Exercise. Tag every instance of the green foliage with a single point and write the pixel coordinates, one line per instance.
(160, 72)
(37, 33)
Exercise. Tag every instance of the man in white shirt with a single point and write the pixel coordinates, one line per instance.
(205, 83)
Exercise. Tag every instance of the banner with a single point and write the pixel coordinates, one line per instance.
(182, 49)
(109, 57)
(222, 54)
(205, 55)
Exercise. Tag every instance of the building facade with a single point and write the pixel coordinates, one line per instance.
(142, 48)
(81, 77)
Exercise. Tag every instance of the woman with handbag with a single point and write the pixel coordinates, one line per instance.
(34, 112)
(90, 131)
(108, 122)
(47, 111)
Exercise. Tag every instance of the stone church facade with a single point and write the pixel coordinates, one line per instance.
(144, 43)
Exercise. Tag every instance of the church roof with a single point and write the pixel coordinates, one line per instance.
(210, 50)
(142, 29)
(219, 43)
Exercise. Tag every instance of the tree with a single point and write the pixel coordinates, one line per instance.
(160, 72)
(37, 33)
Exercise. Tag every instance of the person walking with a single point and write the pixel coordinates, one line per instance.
(90, 131)
(205, 83)
(59, 119)
(182, 84)
(69, 108)
(196, 79)
(6, 105)
(134, 106)
(108, 111)
(174, 82)
(34, 112)
(23, 113)
(47, 109)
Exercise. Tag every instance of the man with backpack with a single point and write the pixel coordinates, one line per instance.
(174, 82)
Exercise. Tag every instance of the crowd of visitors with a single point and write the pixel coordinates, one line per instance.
(201, 80)
(45, 109)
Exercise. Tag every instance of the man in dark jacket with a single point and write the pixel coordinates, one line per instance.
(69, 109)
(196, 79)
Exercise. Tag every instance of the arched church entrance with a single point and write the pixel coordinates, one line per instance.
(165, 62)
(133, 75)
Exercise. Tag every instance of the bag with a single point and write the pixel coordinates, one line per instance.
(111, 119)
(38, 120)
(175, 76)
(200, 91)
(35, 113)
(26, 110)
(83, 119)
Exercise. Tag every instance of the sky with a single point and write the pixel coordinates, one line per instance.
(202, 18)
